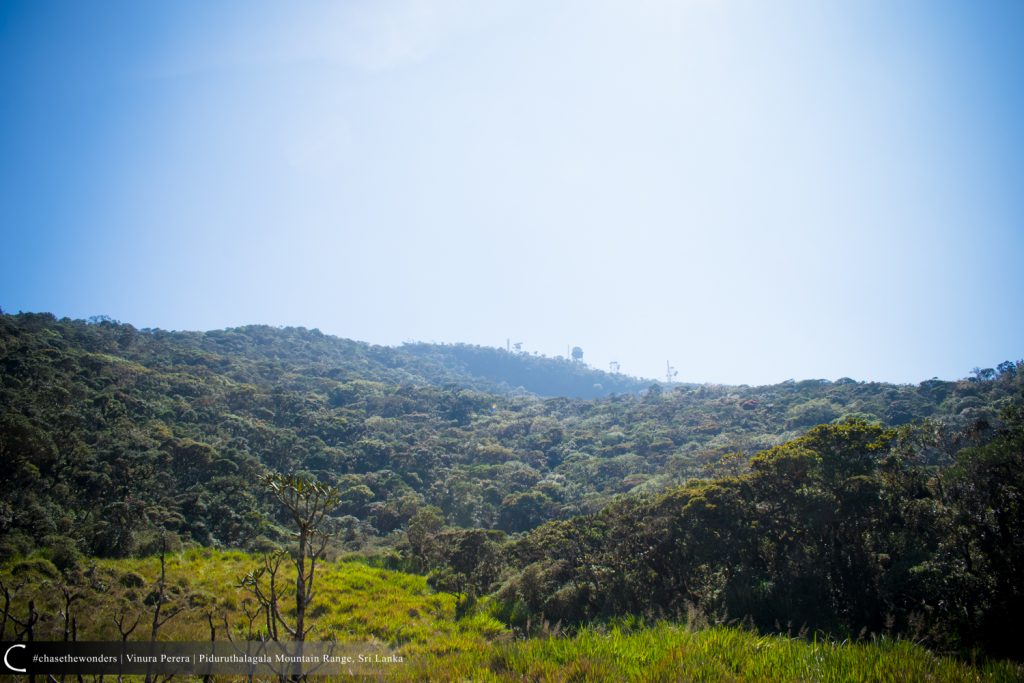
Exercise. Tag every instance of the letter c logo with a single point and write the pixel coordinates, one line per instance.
(8, 664)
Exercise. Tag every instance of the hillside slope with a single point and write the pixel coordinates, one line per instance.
(384, 612)
(260, 353)
(112, 435)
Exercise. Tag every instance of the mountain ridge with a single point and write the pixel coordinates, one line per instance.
(99, 417)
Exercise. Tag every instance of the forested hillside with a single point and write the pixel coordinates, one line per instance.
(111, 434)
(845, 530)
(497, 370)
(901, 514)
(262, 354)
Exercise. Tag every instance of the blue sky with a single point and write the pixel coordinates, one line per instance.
(754, 191)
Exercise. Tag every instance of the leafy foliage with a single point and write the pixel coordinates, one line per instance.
(113, 436)
(841, 531)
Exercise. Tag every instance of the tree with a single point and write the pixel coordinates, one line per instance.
(577, 354)
(982, 554)
(160, 597)
(421, 533)
(523, 511)
(307, 503)
(470, 562)
(983, 374)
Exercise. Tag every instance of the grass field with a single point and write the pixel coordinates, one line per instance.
(667, 652)
(398, 612)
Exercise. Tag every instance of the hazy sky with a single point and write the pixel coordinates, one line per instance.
(752, 190)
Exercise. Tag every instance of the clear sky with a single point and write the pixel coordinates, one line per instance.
(753, 190)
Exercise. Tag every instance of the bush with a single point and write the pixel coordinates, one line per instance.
(814, 412)
(35, 565)
(132, 580)
(15, 544)
(63, 553)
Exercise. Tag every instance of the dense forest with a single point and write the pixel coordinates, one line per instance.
(566, 494)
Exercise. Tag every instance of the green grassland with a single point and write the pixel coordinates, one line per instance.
(355, 602)
(667, 652)
(397, 612)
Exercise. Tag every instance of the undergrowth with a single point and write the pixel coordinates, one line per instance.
(398, 611)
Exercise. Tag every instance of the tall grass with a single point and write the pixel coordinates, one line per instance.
(398, 611)
(354, 602)
(668, 652)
